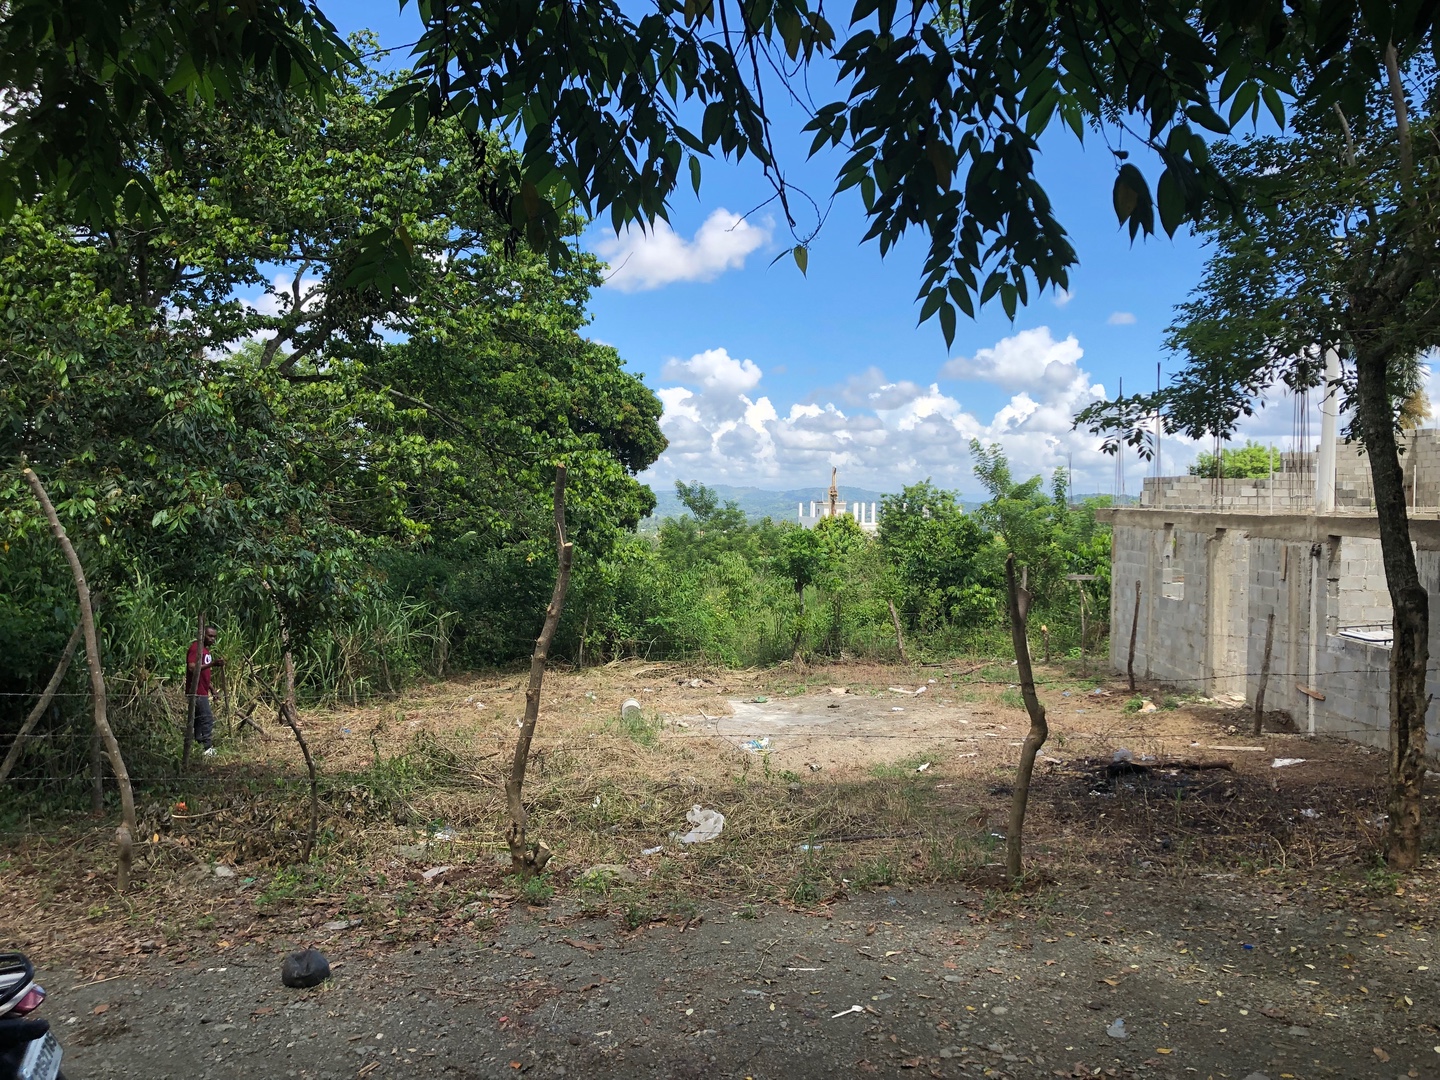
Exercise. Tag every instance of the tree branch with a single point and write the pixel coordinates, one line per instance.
(1349, 136)
(1402, 124)
(44, 703)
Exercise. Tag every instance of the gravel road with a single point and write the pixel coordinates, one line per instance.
(891, 982)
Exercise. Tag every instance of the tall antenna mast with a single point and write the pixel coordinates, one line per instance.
(1158, 466)
(1119, 492)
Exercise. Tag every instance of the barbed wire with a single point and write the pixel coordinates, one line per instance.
(1163, 680)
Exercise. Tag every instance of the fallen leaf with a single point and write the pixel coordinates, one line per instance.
(1163, 1050)
(101, 1009)
(588, 946)
(1381, 1054)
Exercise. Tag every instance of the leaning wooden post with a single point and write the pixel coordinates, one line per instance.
(291, 717)
(288, 711)
(1134, 629)
(1084, 665)
(194, 688)
(527, 859)
(1039, 732)
(899, 637)
(1264, 676)
(125, 833)
(47, 696)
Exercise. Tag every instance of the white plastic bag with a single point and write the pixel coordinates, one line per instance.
(707, 825)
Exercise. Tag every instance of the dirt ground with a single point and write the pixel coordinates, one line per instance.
(1229, 911)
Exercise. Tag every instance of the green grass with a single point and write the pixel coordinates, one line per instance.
(1012, 698)
(896, 770)
(641, 727)
(533, 890)
(878, 871)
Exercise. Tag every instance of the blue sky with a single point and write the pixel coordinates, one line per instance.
(769, 377)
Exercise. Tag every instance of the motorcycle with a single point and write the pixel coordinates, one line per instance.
(28, 1051)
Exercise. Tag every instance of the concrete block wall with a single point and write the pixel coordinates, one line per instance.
(1294, 487)
(1212, 639)
(1357, 592)
(1283, 492)
(1171, 639)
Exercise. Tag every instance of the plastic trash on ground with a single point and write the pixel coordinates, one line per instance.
(1116, 1030)
(707, 825)
(756, 745)
(1281, 762)
(630, 709)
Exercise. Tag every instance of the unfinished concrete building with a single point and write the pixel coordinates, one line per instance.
(1214, 559)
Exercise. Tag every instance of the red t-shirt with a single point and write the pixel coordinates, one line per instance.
(204, 688)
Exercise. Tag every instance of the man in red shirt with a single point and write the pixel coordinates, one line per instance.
(204, 715)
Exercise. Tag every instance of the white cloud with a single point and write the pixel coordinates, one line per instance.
(714, 370)
(1062, 297)
(1121, 318)
(882, 432)
(651, 259)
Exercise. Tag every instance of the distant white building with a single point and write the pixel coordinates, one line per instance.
(865, 515)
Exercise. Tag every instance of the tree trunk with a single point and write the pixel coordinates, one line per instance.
(47, 696)
(1410, 648)
(1039, 732)
(125, 833)
(1264, 675)
(97, 772)
(526, 859)
(899, 637)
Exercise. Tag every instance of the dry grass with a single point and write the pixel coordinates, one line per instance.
(415, 783)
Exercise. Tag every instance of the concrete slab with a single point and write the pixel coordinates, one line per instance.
(835, 731)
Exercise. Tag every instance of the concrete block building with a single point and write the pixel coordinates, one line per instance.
(835, 506)
(1215, 559)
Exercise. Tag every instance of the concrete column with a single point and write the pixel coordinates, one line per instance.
(1329, 415)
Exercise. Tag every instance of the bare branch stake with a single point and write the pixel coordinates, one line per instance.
(126, 832)
(527, 859)
(1039, 732)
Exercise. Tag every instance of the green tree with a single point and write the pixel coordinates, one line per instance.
(286, 471)
(1247, 462)
(1344, 255)
(935, 551)
(1048, 536)
(940, 105)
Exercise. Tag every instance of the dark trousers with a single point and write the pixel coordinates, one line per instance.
(204, 722)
